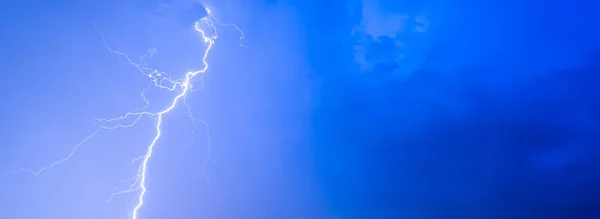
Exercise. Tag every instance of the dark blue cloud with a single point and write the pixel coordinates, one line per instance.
(436, 146)
(481, 139)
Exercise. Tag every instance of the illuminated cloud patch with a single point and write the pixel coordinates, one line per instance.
(383, 38)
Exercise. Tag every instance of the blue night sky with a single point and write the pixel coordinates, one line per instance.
(357, 109)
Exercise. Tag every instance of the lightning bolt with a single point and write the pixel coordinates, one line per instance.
(181, 86)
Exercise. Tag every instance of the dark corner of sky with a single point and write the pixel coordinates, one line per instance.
(458, 111)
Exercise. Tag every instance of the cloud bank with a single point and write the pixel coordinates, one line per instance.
(484, 141)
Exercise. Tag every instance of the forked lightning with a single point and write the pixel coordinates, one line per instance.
(181, 87)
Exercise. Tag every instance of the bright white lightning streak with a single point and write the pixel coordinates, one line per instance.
(161, 81)
(185, 85)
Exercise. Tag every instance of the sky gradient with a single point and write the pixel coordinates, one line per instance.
(353, 109)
